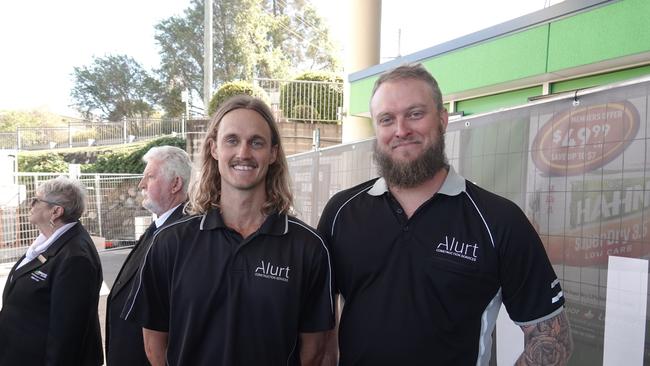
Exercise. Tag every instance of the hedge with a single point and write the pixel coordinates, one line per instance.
(119, 159)
(308, 102)
(129, 161)
(45, 163)
(231, 89)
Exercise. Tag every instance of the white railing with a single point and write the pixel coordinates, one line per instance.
(578, 167)
(79, 134)
(304, 101)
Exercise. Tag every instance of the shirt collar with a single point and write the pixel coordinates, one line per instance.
(41, 243)
(212, 220)
(275, 224)
(162, 218)
(453, 185)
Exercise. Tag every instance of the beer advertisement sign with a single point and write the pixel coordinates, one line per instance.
(588, 183)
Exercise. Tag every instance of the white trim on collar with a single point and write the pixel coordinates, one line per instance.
(453, 185)
(380, 187)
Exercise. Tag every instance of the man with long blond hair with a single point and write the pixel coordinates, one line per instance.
(241, 282)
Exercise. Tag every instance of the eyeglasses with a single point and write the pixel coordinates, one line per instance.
(36, 200)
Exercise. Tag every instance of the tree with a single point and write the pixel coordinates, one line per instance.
(172, 103)
(181, 53)
(251, 38)
(114, 87)
(10, 120)
(301, 34)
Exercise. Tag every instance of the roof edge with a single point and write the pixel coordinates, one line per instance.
(563, 9)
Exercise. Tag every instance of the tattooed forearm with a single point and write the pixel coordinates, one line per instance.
(547, 343)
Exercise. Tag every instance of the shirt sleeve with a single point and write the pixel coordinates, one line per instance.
(317, 313)
(148, 301)
(530, 288)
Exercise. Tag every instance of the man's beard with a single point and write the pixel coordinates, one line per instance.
(151, 206)
(412, 173)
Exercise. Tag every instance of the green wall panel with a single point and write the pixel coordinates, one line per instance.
(493, 102)
(500, 60)
(601, 79)
(360, 92)
(618, 29)
(612, 31)
(504, 59)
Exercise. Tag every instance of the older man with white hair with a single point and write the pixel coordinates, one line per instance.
(164, 187)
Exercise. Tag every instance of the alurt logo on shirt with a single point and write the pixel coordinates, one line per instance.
(38, 276)
(272, 271)
(451, 246)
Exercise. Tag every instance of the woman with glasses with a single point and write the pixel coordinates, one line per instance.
(49, 305)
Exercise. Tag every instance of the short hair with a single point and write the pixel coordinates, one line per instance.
(67, 193)
(205, 191)
(175, 162)
(415, 72)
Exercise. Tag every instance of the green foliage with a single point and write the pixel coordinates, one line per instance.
(122, 159)
(234, 41)
(45, 163)
(85, 134)
(304, 112)
(251, 38)
(319, 76)
(231, 89)
(313, 101)
(114, 87)
(172, 102)
(10, 120)
(129, 160)
(299, 32)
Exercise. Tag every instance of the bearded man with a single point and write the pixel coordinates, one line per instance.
(423, 258)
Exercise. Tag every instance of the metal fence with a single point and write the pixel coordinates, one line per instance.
(318, 175)
(304, 101)
(114, 213)
(579, 167)
(292, 101)
(79, 134)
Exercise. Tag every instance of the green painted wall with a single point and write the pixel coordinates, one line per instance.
(360, 92)
(601, 79)
(611, 31)
(524, 53)
(616, 30)
(500, 60)
(496, 101)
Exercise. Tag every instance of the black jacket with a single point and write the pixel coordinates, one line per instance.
(49, 313)
(124, 344)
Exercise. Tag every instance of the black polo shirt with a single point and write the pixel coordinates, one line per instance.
(229, 301)
(427, 290)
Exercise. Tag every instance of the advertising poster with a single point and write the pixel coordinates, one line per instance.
(588, 197)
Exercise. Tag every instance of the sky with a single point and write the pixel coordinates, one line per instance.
(43, 40)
